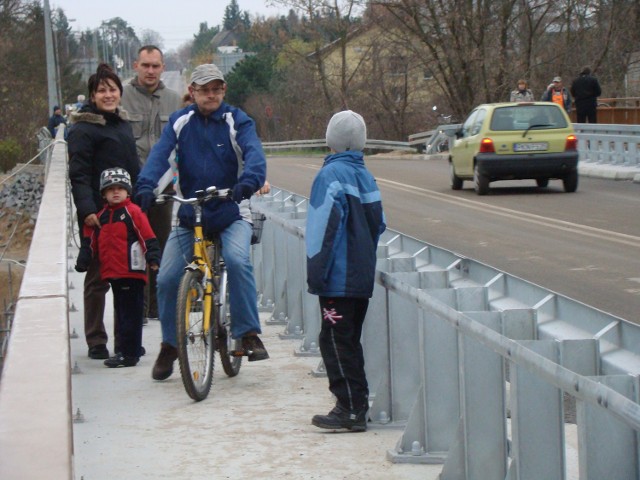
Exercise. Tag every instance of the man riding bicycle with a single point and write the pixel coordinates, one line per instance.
(216, 145)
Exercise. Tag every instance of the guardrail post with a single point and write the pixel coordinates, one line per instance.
(480, 449)
(296, 280)
(537, 423)
(607, 447)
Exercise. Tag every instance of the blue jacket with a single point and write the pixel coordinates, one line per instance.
(344, 222)
(221, 149)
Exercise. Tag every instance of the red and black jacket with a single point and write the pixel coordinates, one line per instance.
(125, 243)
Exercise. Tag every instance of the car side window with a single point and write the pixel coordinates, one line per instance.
(468, 124)
(477, 123)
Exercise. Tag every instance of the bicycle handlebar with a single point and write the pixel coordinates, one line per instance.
(202, 196)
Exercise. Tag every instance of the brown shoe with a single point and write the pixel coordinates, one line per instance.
(163, 368)
(253, 348)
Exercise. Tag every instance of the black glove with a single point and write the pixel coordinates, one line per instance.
(84, 259)
(241, 191)
(144, 199)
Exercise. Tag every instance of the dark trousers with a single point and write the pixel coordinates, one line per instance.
(590, 114)
(128, 304)
(341, 350)
(160, 220)
(95, 290)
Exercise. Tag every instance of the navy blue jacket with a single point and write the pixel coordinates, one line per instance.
(220, 149)
(344, 222)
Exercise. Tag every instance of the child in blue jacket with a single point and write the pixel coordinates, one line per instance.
(344, 222)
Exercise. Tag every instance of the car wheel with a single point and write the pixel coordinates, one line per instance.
(456, 181)
(542, 182)
(481, 182)
(570, 182)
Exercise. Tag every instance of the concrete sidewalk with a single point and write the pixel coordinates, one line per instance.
(256, 425)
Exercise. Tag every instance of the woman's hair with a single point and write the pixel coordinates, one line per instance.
(103, 74)
(522, 80)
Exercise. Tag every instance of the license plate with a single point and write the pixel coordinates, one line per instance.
(530, 147)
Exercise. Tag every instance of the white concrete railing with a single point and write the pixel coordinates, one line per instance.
(36, 439)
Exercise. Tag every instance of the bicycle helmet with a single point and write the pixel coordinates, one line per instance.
(115, 176)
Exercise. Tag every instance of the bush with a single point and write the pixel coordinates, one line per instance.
(10, 154)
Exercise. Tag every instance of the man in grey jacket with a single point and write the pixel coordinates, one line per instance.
(149, 103)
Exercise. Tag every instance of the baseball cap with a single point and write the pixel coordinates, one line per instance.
(557, 79)
(115, 176)
(206, 73)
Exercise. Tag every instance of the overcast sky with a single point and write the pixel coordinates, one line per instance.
(175, 21)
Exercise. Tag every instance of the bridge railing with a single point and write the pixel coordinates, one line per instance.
(36, 435)
(474, 363)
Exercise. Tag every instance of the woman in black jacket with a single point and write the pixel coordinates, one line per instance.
(100, 137)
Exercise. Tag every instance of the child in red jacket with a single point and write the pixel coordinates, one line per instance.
(124, 243)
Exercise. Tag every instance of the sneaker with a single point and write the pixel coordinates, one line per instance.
(253, 348)
(99, 352)
(119, 360)
(163, 368)
(342, 419)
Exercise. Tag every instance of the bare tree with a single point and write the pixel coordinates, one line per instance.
(478, 49)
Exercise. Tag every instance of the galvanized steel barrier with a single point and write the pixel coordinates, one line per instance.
(471, 361)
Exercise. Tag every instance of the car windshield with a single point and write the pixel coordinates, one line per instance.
(523, 117)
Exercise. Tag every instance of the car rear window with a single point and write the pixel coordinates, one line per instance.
(522, 117)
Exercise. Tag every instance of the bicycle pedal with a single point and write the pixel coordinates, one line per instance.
(238, 353)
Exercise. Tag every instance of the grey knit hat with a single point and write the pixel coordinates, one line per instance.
(206, 73)
(346, 131)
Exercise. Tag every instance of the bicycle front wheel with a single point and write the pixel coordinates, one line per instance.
(230, 349)
(195, 344)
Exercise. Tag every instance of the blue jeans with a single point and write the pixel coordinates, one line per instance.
(178, 252)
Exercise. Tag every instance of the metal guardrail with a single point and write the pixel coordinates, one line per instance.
(610, 144)
(321, 143)
(442, 331)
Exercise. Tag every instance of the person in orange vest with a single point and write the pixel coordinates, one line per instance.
(558, 94)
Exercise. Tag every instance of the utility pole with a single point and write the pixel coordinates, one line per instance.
(52, 71)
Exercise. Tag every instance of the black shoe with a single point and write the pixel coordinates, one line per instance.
(99, 352)
(119, 360)
(342, 419)
(253, 348)
(143, 352)
(163, 368)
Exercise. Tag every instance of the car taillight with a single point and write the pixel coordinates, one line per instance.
(571, 143)
(486, 146)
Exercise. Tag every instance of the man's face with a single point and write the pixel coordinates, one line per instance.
(557, 85)
(208, 97)
(149, 67)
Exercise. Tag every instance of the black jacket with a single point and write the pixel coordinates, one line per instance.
(97, 141)
(585, 90)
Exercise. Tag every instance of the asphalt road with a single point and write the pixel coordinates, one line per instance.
(584, 245)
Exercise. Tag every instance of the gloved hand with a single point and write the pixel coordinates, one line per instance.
(84, 259)
(145, 199)
(241, 191)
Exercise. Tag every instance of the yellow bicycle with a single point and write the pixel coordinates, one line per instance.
(203, 317)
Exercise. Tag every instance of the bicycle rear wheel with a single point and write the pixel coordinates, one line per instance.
(230, 349)
(195, 345)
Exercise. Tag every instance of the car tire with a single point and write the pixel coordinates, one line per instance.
(456, 181)
(570, 182)
(542, 182)
(480, 181)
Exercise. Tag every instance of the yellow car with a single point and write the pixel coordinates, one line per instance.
(514, 141)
